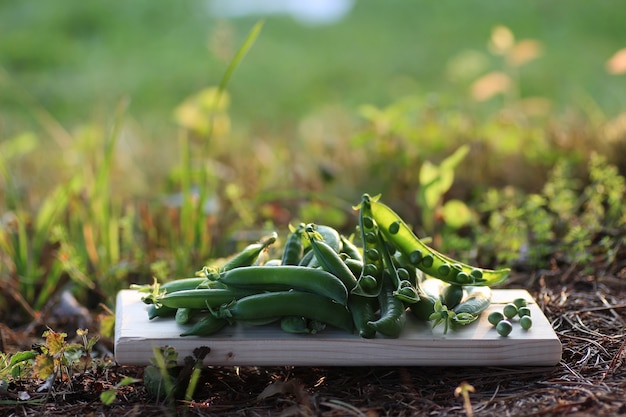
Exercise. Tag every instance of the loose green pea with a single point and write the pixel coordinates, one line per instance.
(510, 311)
(523, 311)
(495, 317)
(519, 302)
(504, 328)
(526, 322)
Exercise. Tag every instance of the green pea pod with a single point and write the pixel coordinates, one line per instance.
(206, 326)
(292, 253)
(301, 325)
(287, 277)
(307, 256)
(452, 295)
(403, 288)
(330, 260)
(156, 289)
(350, 249)
(363, 310)
(370, 282)
(355, 266)
(392, 311)
(155, 311)
(249, 254)
(330, 236)
(427, 259)
(294, 324)
(183, 315)
(204, 298)
(472, 306)
(288, 303)
(424, 308)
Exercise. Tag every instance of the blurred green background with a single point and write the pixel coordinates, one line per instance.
(77, 59)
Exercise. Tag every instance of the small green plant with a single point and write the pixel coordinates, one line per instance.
(166, 380)
(435, 181)
(571, 219)
(107, 397)
(16, 365)
(59, 357)
(203, 117)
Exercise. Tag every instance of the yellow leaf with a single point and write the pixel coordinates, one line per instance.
(617, 63)
(55, 342)
(44, 366)
(502, 39)
(523, 51)
(489, 85)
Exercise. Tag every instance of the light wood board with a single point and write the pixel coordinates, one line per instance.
(474, 345)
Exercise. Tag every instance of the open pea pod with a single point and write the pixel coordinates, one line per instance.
(370, 282)
(426, 258)
(403, 289)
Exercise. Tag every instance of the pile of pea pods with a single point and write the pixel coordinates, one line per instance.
(323, 278)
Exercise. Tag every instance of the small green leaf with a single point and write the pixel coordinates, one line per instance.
(22, 357)
(107, 397)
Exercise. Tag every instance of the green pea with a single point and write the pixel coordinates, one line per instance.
(428, 260)
(463, 277)
(394, 227)
(371, 269)
(444, 269)
(371, 238)
(415, 257)
(495, 317)
(403, 274)
(509, 311)
(519, 302)
(372, 254)
(368, 222)
(408, 292)
(504, 328)
(368, 282)
(476, 273)
(523, 311)
(526, 322)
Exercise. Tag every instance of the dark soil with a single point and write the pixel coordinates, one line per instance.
(588, 312)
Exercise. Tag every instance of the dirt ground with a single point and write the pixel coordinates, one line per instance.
(588, 312)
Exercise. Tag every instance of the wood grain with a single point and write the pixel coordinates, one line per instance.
(473, 345)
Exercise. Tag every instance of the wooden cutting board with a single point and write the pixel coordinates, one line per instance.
(474, 345)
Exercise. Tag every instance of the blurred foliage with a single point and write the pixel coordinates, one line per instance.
(572, 220)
